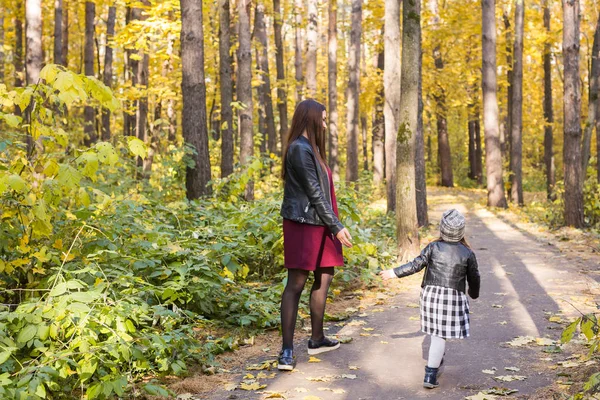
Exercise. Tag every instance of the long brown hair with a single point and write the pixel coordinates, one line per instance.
(308, 118)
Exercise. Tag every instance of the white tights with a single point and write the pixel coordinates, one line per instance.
(436, 351)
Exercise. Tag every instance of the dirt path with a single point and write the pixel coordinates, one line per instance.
(524, 283)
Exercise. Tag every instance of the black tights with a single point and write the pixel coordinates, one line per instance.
(291, 298)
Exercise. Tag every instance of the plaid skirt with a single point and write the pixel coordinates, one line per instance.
(444, 312)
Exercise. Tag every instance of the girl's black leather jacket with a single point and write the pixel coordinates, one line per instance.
(306, 193)
(448, 265)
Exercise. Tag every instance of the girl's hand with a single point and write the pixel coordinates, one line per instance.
(387, 274)
(344, 237)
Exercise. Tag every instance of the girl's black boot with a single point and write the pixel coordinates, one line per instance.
(430, 380)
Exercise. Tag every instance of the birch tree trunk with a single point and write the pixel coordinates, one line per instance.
(311, 51)
(33, 34)
(260, 31)
(244, 89)
(548, 110)
(420, 167)
(516, 147)
(353, 92)
(89, 127)
(379, 129)
(505, 133)
(593, 104)
(572, 116)
(18, 61)
(107, 76)
(332, 92)
(65, 34)
(58, 11)
(281, 86)
(193, 88)
(298, 46)
(406, 202)
(391, 84)
(225, 74)
(493, 153)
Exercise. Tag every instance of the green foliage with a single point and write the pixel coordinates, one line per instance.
(589, 328)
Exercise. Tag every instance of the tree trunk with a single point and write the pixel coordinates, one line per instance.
(244, 89)
(420, 167)
(141, 115)
(406, 202)
(2, 48)
(471, 133)
(260, 31)
(353, 92)
(332, 93)
(444, 154)
(379, 129)
(18, 61)
(65, 34)
(516, 147)
(548, 110)
(298, 46)
(33, 33)
(225, 75)
(505, 141)
(478, 149)
(363, 134)
(572, 121)
(311, 51)
(391, 84)
(89, 127)
(193, 88)
(281, 86)
(107, 76)
(58, 10)
(593, 103)
(493, 153)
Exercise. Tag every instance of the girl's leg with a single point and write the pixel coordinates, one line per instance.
(318, 299)
(436, 351)
(289, 305)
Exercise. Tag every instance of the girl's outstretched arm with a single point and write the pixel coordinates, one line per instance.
(409, 268)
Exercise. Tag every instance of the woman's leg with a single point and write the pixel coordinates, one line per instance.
(436, 351)
(318, 299)
(289, 305)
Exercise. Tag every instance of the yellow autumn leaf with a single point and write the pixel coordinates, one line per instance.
(314, 360)
(252, 386)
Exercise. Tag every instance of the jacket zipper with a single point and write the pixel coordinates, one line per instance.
(306, 208)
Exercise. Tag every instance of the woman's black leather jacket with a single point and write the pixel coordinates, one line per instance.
(306, 193)
(448, 265)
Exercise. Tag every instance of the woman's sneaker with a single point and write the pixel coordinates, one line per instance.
(321, 346)
(287, 360)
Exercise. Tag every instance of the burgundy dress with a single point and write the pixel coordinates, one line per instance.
(309, 247)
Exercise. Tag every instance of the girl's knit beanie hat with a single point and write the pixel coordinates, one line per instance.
(452, 226)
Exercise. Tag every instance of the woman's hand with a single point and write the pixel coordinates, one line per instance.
(344, 237)
(387, 274)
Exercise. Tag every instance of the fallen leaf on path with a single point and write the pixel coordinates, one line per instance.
(521, 341)
(489, 371)
(264, 365)
(503, 323)
(363, 315)
(248, 376)
(383, 342)
(275, 395)
(252, 386)
(314, 360)
(376, 334)
(482, 396)
(351, 310)
(311, 398)
(509, 378)
(377, 310)
(300, 390)
(365, 334)
(413, 318)
(353, 367)
(349, 376)
(500, 391)
(230, 387)
(569, 364)
(544, 342)
(513, 369)
(500, 294)
(326, 378)
(556, 319)
(368, 329)
(336, 391)
(345, 339)
(497, 306)
(412, 305)
(357, 323)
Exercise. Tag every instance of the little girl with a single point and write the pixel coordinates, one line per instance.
(444, 307)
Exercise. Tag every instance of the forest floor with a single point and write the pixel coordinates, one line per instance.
(533, 282)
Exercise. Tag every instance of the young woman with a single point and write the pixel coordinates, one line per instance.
(312, 233)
